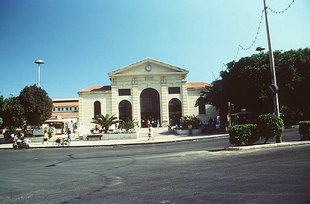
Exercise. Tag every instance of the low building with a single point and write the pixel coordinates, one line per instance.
(147, 90)
(66, 108)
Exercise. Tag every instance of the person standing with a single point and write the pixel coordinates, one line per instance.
(151, 132)
(69, 136)
(45, 137)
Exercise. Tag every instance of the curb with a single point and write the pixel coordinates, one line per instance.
(266, 146)
(127, 144)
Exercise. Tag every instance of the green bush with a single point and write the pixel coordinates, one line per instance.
(242, 134)
(304, 130)
(190, 120)
(269, 126)
(126, 125)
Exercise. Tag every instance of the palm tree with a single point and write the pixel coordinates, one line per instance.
(105, 121)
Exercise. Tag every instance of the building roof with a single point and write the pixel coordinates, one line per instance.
(148, 60)
(65, 99)
(96, 88)
(66, 104)
(197, 84)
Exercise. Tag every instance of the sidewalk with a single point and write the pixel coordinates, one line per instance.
(143, 139)
(165, 137)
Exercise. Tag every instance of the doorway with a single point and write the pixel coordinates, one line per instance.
(150, 107)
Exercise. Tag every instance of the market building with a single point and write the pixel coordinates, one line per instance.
(147, 90)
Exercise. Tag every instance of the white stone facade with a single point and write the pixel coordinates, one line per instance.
(128, 83)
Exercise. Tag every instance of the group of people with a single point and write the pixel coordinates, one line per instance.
(47, 135)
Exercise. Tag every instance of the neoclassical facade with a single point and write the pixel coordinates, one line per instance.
(142, 91)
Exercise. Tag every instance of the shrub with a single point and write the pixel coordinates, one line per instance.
(269, 126)
(304, 130)
(190, 120)
(126, 125)
(105, 121)
(242, 134)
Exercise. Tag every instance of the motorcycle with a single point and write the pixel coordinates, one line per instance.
(20, 143)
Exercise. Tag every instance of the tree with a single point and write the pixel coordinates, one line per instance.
(105, 121)
(13, 114)
(2, 102)
(245, 83)
(37, 105)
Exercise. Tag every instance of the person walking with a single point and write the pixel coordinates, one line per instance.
(151, 132)
(69, 136)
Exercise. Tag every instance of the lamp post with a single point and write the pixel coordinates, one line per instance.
(38, 62)
(272, 66)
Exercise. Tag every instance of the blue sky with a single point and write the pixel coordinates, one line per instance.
(82, 40)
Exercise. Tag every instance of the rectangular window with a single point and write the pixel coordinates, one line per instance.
(124, 92)
(174, 90)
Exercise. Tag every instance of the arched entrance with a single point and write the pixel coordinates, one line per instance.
(125, 111)
(150, 107)
(175, 111)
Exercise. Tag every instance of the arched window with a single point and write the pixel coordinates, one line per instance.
(97, 108)
(175, 111)
(124, 109)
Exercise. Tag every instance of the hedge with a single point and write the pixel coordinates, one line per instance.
(242, 134)
(269, 126)
(304, 130)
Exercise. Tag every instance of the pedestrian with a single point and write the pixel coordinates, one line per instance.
(69, 137)
(45, 137)
(151, 132)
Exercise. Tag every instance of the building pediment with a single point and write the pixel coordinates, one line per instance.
(148, 66)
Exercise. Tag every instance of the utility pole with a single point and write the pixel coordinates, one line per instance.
(273, 71)
(272, 66)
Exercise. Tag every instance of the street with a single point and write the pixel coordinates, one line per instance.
(182, 172)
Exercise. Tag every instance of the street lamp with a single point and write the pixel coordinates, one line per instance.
(39, 62)
(260, 48)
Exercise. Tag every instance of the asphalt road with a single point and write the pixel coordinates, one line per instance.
(183, 172)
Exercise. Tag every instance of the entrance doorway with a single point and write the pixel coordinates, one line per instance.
(150, 107)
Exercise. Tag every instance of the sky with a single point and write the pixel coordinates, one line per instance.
(82, 40)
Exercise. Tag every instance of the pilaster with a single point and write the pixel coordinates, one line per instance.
(114, 95)
(185, 108)
(135, 101)
(164, 102)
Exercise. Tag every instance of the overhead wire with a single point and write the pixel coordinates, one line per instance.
(282, 11)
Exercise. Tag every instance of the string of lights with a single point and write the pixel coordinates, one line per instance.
(283, 11)
(257, 32)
